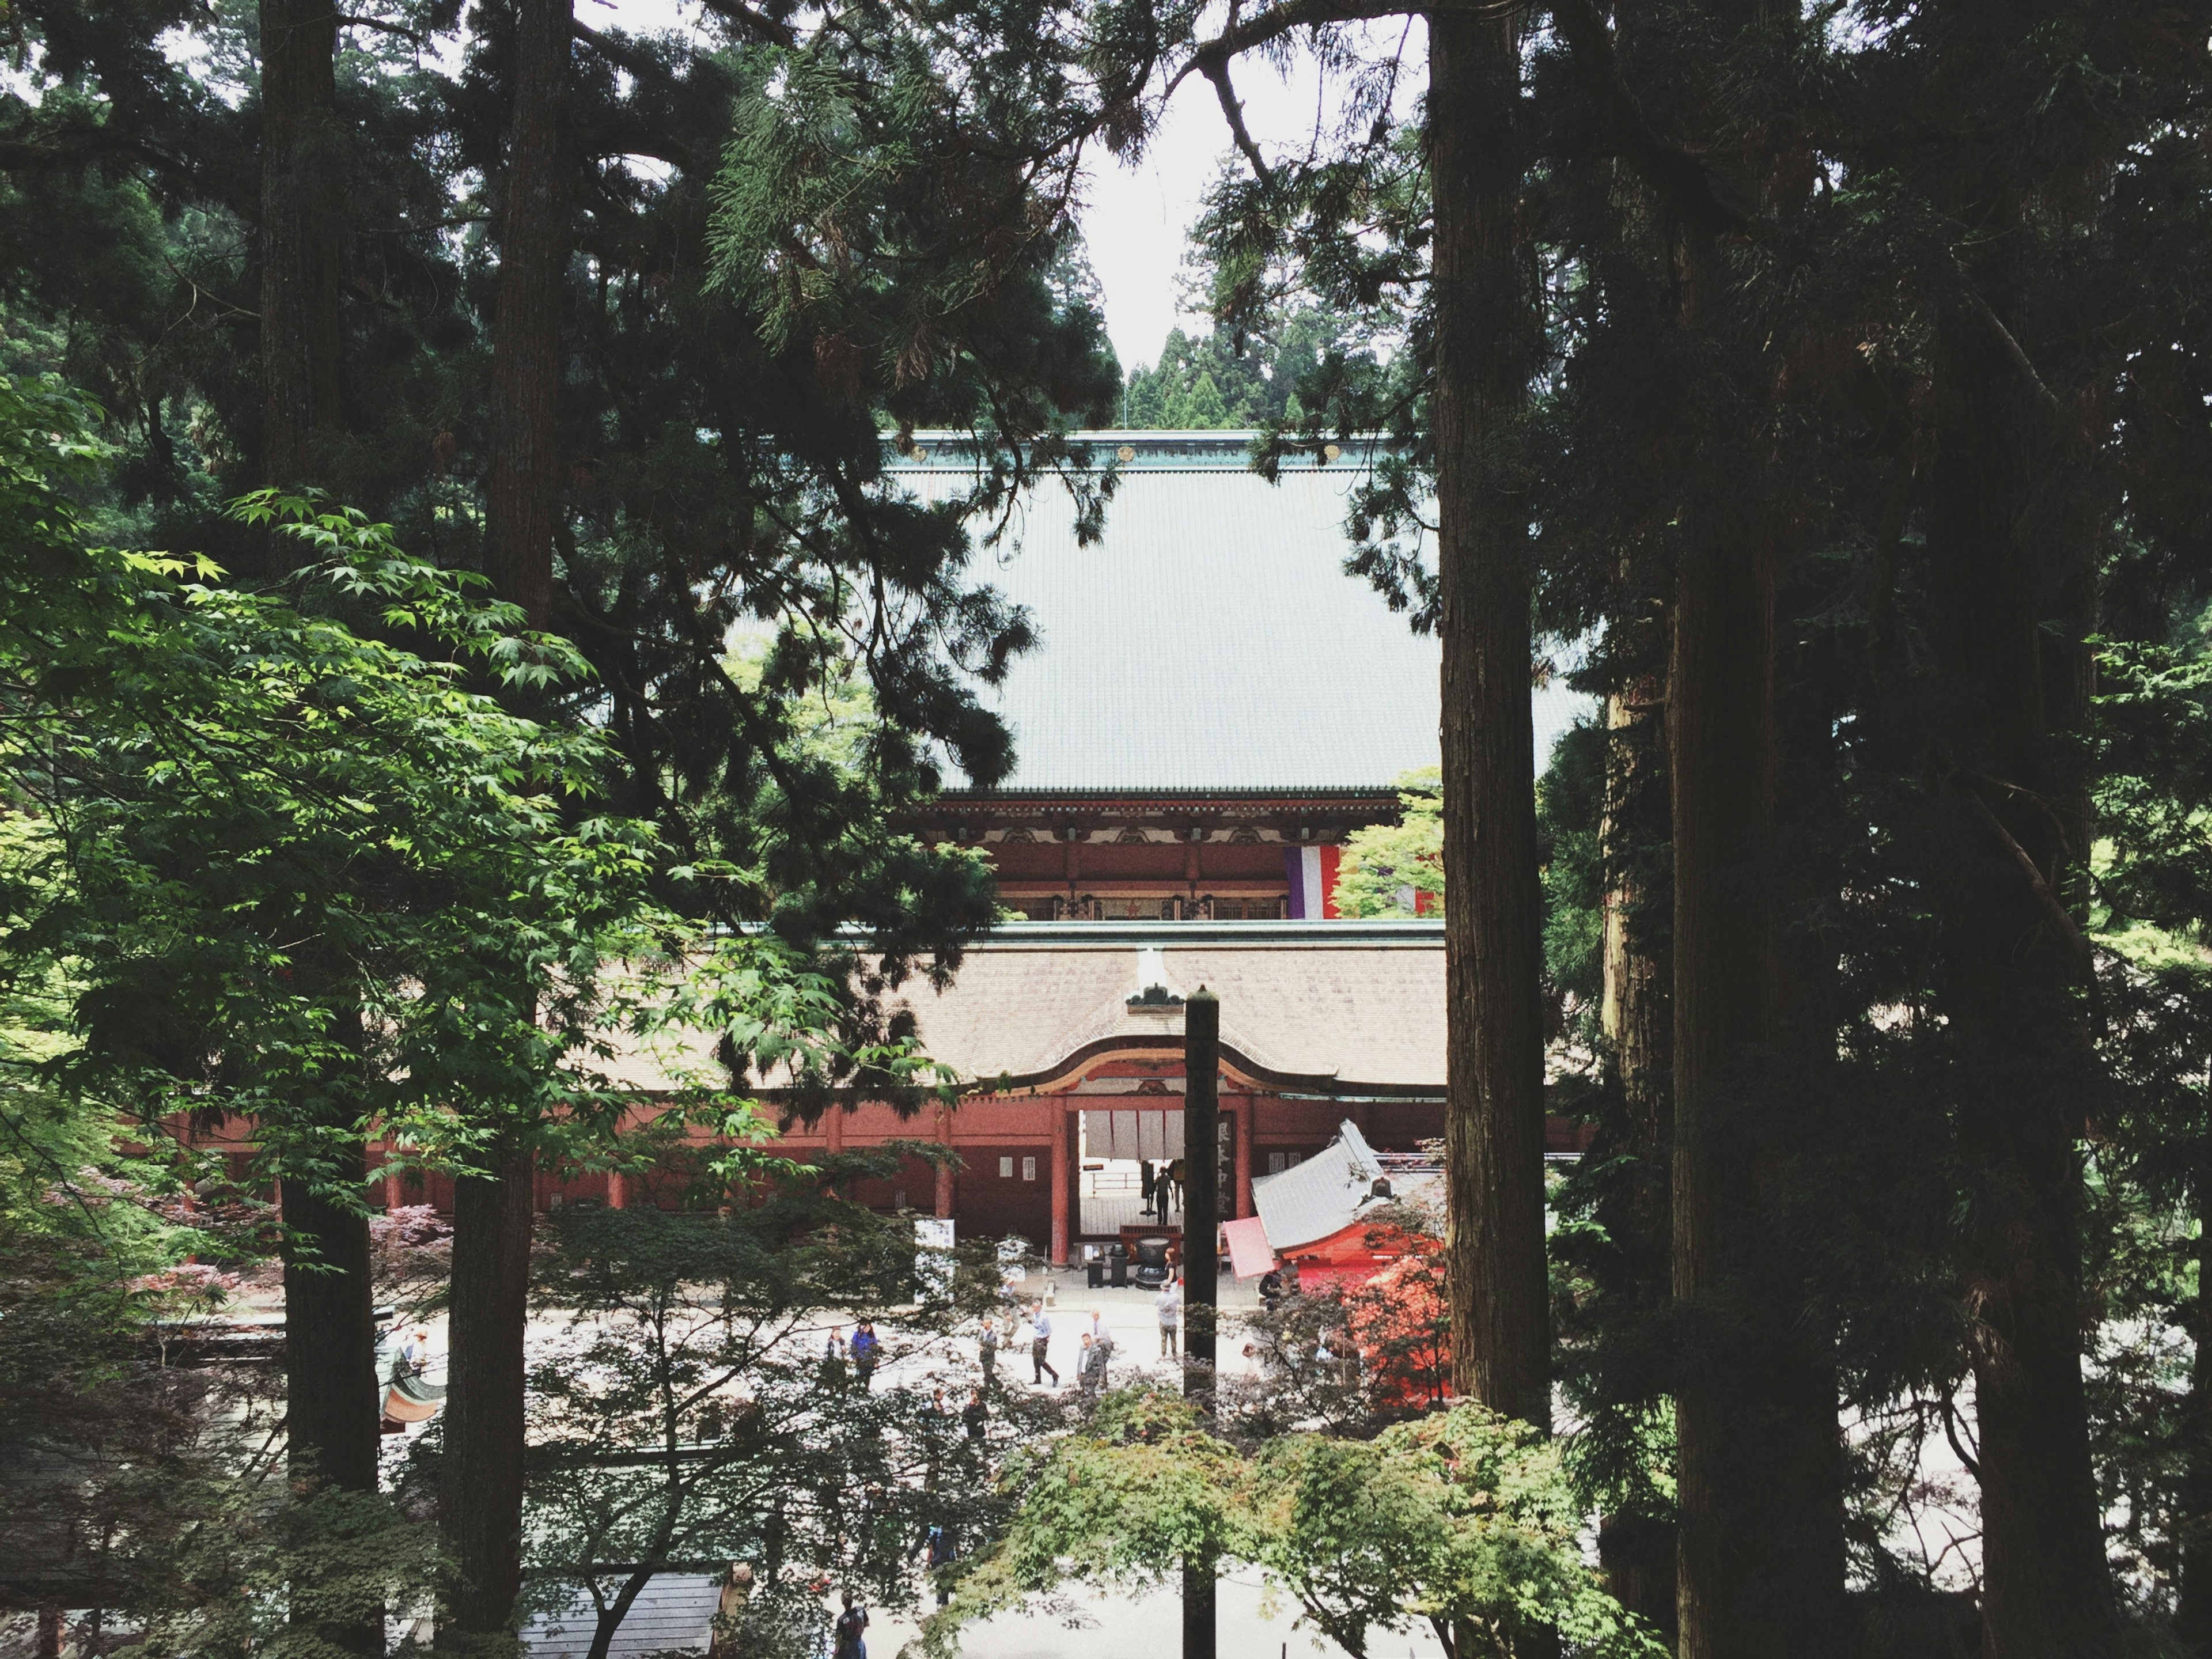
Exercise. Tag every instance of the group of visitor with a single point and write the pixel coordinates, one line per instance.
(1094, 1342)
(862, 1353)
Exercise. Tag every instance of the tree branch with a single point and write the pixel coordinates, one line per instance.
(754, 22)
(348, 20)
(1951, 1434)
(75, 145)
(2067, 925)
(1233, 112)
(1280, 20)
(2047, 399)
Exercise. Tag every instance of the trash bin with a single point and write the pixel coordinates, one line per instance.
(1094, 1272)
(1117, 1265)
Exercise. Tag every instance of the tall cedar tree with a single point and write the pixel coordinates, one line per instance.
(480, 1482)
(1482, 275)
(301, 230)
(1760, 1554)
(330, 1335)
(1475, 286)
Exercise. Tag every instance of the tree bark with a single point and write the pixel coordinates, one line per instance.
(1637, 1551)
(1759, 1457)
(523, 495)
(1482, 288)
(2011, 549)
(330, 1336)
(332, 1403)
(481, 1501)
(481, 1478)
(1637, 1012)
(302, 232)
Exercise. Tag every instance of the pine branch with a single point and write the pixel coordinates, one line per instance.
(1286, 18)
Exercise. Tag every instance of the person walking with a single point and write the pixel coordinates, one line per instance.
(1168, 1310)
(851, 1631)
(1086, 1367)
(944, 1549)
(974, 1415)
(1040, 1343)
(986, 1349)
(833, 1358)
(867, 1351)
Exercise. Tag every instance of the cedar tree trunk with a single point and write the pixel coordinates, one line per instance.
(2011, 551)
(1759, 1462)
(1493, 916)
(331, 1401)
(302, 227)
(523, 497)
(481, 1479)
(1636, 1552)
(480, 1503)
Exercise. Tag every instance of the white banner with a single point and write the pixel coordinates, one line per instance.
(1156, 1137)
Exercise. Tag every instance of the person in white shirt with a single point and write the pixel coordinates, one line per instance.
(1039, 1343)
(1169, 1309)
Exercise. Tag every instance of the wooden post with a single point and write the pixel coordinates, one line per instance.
(618, 1190)
(944, 1169)
(394, 1194)
(1202, 1220)
(1244, 1133)
(1060, 1192)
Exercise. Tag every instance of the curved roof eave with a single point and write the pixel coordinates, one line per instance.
(1314, 1085)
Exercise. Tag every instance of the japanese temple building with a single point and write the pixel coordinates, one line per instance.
(1213, 706)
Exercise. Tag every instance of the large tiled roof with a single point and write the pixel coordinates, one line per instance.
(1212, 640)
(1342, 1007)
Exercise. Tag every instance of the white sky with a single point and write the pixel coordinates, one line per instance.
(1136, 220)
